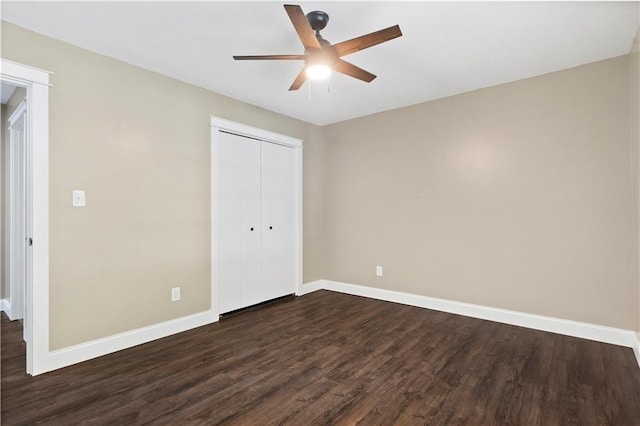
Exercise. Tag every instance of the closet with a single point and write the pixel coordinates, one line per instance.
(255, 215)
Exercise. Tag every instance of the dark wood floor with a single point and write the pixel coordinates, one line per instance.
(330, 358)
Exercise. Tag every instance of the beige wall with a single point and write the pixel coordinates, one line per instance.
(139, 144)
(7, 110)
(314, 178)
(634, 98)
(515, 196)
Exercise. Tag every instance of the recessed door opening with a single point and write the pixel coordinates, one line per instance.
(24, 184)
(256, 232)
(15, 202)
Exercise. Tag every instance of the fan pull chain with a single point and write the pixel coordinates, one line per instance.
(309, 85)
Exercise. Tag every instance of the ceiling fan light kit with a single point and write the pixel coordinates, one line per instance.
(318, 71)
(320, 56)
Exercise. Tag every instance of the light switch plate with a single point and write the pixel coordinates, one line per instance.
(175, 294)
(79, 199)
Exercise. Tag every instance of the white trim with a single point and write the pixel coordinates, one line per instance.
(215, 200)
(95, 348)
(220, 124)
(36, 320)
(636, 348)
(21, 73)
(254, 132)
(310, 287)
(5, 306)
(17, 156)
(599, 333)
(22, 107)
(298, 217)
(38, 289)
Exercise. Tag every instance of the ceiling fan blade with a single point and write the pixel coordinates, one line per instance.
(268, 57)
(300, 23)
(347, 68)
(300, 79)
(359, 43)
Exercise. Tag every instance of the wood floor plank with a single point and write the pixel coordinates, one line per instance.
(331, 358)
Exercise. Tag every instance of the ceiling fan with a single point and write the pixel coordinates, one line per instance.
(320, 56)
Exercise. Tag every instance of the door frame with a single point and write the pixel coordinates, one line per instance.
(17, 292)
(36, 81)
(218, 125)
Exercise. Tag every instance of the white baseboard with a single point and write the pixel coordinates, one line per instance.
(307, 288)
(5, 306)
(616, 336)
(95, 348)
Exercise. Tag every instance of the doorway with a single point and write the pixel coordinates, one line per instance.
(16, 204)
(28, 234)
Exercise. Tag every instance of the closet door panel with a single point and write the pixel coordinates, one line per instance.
(251, 231)
(229, 173)
(278, 221)
(238, 177)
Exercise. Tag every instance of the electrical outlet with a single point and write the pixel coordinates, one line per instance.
(79, 198)
(175, 294)
(378, 271)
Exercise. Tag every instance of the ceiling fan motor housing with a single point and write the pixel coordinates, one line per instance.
(318, 20)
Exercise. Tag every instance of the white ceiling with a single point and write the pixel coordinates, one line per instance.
(447, 47)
